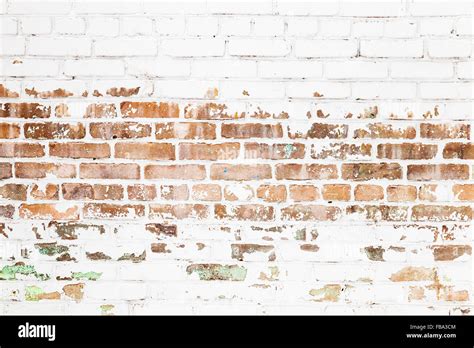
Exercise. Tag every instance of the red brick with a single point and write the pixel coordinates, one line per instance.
(24, 110)
(141, 192)
(340, 151)
(445, 131)
(7, 93)
(99, 111)
(42, 170)
(321, 131)
(406, 151)
(306, 171)
(186, 130)
(206, 192)
(337, 192)
(210, 111)
(426, 172)
(377, 213)
(252, 212)
(302, 193)
(5, 171)
(384, 131)
(441, 213)
(464, 192)
(49, 211)
(178, 211)
(75, 191)
(274, 151)
(149, 109)
(240, 172)
(51, 130)
(272, 193)
(79, 150)
(150, 151)
(15, 192)
(9, 131)
(368, 171)
(210, 152)
(21, 150)
(47, 192)
(401, 193)
(123, 130)
(174, 192)
(368, 192)
(251, 130)
(181, 172)
(459, 150)
(109, 171)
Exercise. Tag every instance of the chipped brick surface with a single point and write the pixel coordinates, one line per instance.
(236, 158)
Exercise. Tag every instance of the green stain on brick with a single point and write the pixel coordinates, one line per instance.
(10, 272)
(86, 275)
(32, 293)
(51, 249)
(106, 309)
(289, 149)
(218, 272)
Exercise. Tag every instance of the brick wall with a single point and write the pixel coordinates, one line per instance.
(259, 157)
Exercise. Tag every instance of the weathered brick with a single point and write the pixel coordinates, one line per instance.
(299, 212)
(141, 192)
(253, 212)
(51, 130)
(337, 192)
(123, 130)
(15, 192)
(304, 193)
(376, 213)
(149, 109)
(21, 150)
(109, 171)
(406, 151)
(365, 192)
(368, 171)
(5, 171)
(186, 130)
(321, 131)
(210, 152)
(380, 131)
(306, 171)
(441, 213)
(149, 151)
(464, 192)
(181, 172)
(79, 150)
(113, 211)
(459, 150)
(211, 111)
(98, 111)
(9, 131)
(47, 192)
(174, 192)
(206, 192)
(240, 172)
(445, 131)
(80, 192)
(29, 170)
(24, 110)
(401, 193)
(426, 172)
(251, 130)
(274, 151)
(341, 151)
(272, 193)
(49, 211)
(178, 211)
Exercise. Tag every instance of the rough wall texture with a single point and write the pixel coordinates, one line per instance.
(260, 157)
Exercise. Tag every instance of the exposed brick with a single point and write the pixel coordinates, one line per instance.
(15, 192)
(253, 212)
(379, 212)
(9, 131)
(464, 192)
(113, 211)
(274, 151)
(125, 130)
(181, 172)
(337, 192)
(251, 130)
(321, 131)
(109, 171)
(441, 213)
(206, 192)
(51, 130)
(272, 193)
(174, 192)
(150, 151)
(211, 111)
(340, 151)
(380, 130)
(42, 170)
(141, 192)
(240, 172)
(306, 171)
(24, 110)
(186, 130)
(426, 172)
(100, 111)
(21, 150)
(92, 192)
(210, 152)
(49, 211)
(459, 150)
(178, 211)
(149, 109)
(304, 193)
(406, 151)
(79, 150)
(445, 131)
(301, 212)
(401, 193)
(368, 192)
(368, 171)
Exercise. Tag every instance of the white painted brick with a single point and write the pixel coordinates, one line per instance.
(43, 46)
(439, 8)
(449, 48)
(334, 27)
(355, 69)
(383, 90)
(436, 26)
(235, 89)
(126, 47)
(136, 26)
(419, 70)
(36, 25)
(368, 28)
(161, 67)
(332, 90)
(302, 8)
(325, 48)
(107, 7)
(391, 48)
(69, 25)
(443, 90)
(34, 7)
(92, 67)
(235, 7)
(202, 26)
(289, 69)
(372, 9)
(12, 45)
(302, 26)
(234, 26)
(258, 48)
(400, 28)
(464, 26)
(268, 26)
(201, 89)
(174, 7)
(170, 25)
(464, 70)
(103, 26)
(9, 26)
(224, 68)
(28, 67)
(193, 47)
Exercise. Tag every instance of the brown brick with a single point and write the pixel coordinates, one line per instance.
(299, 212)
(244, 212)
(337, 192)
(109, 171)
(100, 111)
(428, 192)
(459, 150)
(7, 93)
(445, 131)
(179, 211)
(75, 191)
(181, 172)
(48, 212)
(210, 152)
(185, 130)
(321, 131)
(24, 110)
(51, 130)
(149, 109)
(401, 193)
(113, 211)
(206, 192)
(464, 192)
(426, 172)
(43, 170)
(368, 192)
(272, 193)
(295, 171)
(47, 192)
(7, 211)
(141, 192)
(150, 151)
(441, 213)
(240, 172)
(162, 230)
(174, 192)
(5, 171)
(123, 130)
(340, 151)
(384, 131)
(79, 150)
(304, 193)
(210, 111)
(14, 192)
(238, 193)
(251, 130)
(450, 252)
(274, 151)
(406, 151)
(9, 131)
(21, 150)
(368, 171)
(377, 213)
